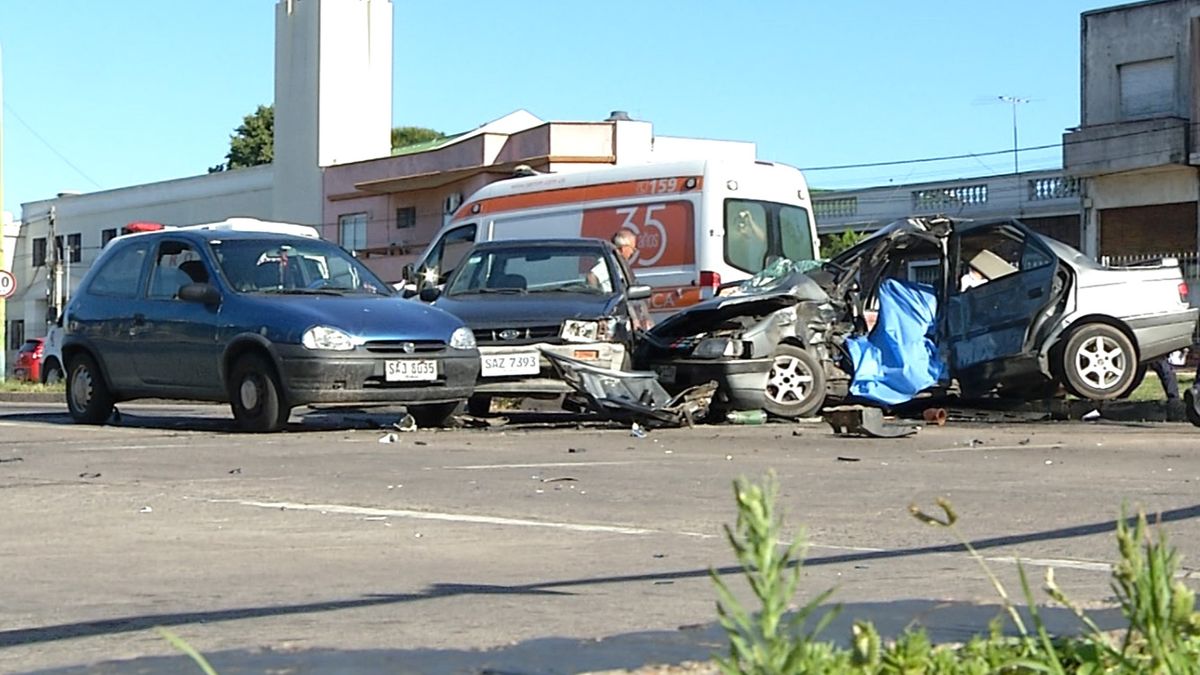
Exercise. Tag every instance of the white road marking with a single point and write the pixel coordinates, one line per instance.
(1061, 563)
(984, 448)
(541, 465)
(432, 515)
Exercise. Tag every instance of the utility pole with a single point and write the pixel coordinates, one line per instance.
(54, 271)
(1013, 101)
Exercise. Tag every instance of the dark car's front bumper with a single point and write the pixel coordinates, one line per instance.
(741, 383)
(357, 377)
(545, 382)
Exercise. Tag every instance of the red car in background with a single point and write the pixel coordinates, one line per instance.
(29, 361)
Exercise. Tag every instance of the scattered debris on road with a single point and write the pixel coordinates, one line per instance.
(864, 421)
(935, 416)
(406, 423)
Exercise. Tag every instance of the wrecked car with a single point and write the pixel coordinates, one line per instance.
(981, 307)
(525, 298)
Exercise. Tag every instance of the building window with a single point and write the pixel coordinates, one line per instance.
(406, 217)
(16, 334)
(74, 248)
(39, 251)
(107, 236)
(352, 231)
(1147, 88)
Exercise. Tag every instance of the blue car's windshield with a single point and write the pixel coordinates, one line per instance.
(293, 266)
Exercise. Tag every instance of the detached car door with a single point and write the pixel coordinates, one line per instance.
(1004, 278)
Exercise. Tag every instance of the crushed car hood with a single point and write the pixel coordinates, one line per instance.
(751, 299)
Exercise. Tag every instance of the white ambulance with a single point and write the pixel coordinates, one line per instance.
(699, 223)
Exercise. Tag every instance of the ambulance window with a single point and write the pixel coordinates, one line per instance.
(454, 246)
(745, 235)
(795, 233)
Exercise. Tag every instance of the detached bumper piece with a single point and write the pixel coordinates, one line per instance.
(863, 421)
(632, 396)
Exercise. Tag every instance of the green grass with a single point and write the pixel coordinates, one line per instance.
(15, 386)
(1151, 388)
(1161, 632)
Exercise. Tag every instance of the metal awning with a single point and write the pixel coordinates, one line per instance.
(433, 179)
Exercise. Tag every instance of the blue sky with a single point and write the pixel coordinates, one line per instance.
(99, 95)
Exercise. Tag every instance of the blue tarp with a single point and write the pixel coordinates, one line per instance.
(898, 358)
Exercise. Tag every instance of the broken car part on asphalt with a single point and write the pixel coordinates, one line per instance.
(634, 397)
(863, 421)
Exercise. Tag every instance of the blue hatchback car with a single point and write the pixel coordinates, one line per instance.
(261, 317)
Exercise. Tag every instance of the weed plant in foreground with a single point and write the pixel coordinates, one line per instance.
(1162, 636)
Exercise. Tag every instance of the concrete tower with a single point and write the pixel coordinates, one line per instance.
(333, 95)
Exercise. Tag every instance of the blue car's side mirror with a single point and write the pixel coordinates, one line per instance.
(205, 294)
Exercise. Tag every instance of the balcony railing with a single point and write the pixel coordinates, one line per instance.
(1056, 187)
(937, 199)
(839, 207)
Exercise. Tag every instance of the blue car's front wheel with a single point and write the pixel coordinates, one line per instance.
(256, 396)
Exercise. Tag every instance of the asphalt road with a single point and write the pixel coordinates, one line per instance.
(542, 545)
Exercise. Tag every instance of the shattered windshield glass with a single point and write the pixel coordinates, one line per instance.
(777, 277)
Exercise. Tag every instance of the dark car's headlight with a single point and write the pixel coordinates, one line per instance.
(462, 338)
(325, 337)
(715, 348)
(577, 330)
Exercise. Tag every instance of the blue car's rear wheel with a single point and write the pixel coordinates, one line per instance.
(88, 397)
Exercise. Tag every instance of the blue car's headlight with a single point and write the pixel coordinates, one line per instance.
(324, 337)
(462, 338)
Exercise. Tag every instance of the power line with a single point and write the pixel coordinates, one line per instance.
(897, 162)
(61, 156)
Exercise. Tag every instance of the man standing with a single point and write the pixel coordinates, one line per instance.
(625, 241)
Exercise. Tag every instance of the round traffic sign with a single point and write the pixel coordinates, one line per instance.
(8, 284)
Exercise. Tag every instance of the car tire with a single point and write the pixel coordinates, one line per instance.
(479, 406)
(432, 415)
(52, 373)
(795, 384)
(256, 396)
(1137, 382)
(1191, 406)
(88, 397)
(1099, 362)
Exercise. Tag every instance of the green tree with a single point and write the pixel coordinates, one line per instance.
(253, 142)
(402, 137)
(833, 244)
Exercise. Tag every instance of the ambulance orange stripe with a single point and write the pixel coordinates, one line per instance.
(583, 193)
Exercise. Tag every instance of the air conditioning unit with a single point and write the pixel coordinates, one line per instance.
(453, 201)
